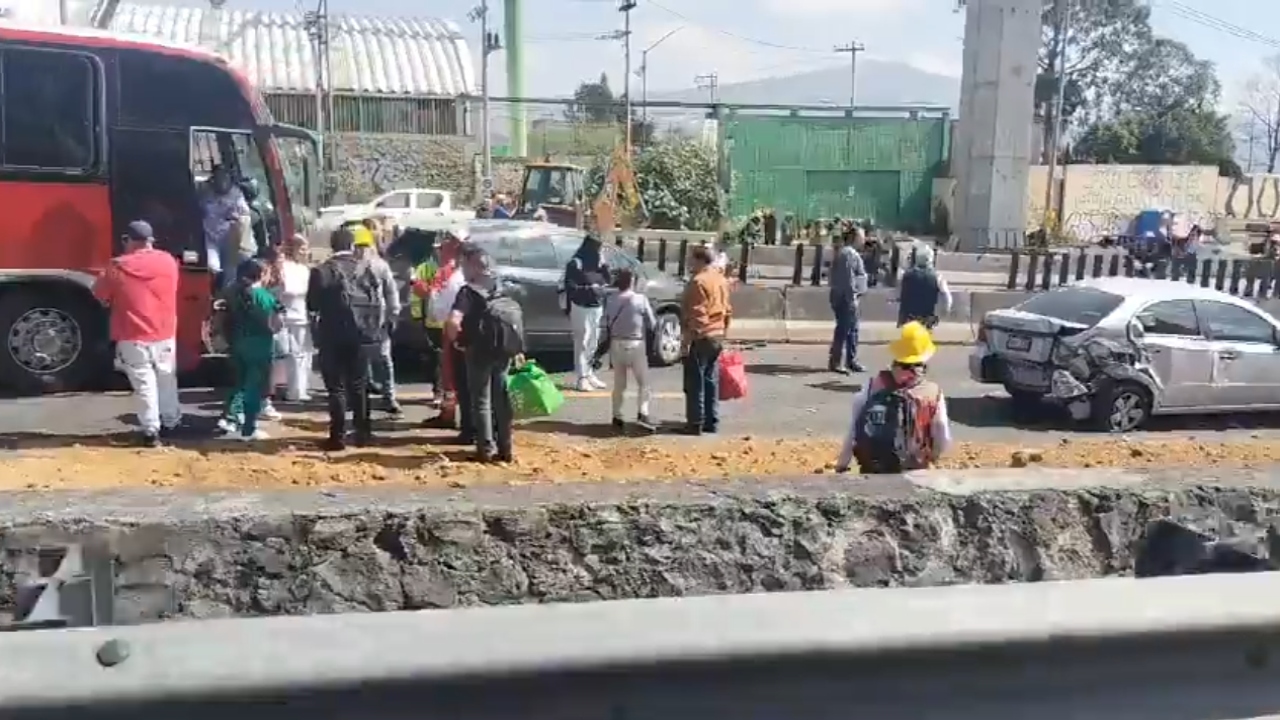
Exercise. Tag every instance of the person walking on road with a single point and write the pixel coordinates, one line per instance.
(295, 274)
(628, 319)
(848, 283)
(140, 289)
(346, 298)
(490, 327)
(900, 418)
(585, 278)
(382, 365)
(922, 289)
(254, 315)
(707, 314)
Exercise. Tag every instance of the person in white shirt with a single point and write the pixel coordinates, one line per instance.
(625, 325)
(295, 274)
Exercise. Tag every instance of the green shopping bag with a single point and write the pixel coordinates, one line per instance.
(533, 392)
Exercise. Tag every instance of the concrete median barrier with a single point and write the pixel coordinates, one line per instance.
(240, 554)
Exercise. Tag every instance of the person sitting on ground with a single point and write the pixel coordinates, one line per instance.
(628, 319)
(900, 418)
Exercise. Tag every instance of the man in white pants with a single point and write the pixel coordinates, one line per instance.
(141, 289)
(585, 279)
(628, 318)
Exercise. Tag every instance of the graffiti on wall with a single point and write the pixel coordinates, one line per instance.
(369, 165)
(1253, 197)
(1104, 199)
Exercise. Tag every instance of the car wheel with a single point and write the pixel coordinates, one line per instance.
(665, 345)
(52, 342)
(1121, 408)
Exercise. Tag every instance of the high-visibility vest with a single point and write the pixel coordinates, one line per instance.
(425, 273)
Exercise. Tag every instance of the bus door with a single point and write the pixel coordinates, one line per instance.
(151, 180)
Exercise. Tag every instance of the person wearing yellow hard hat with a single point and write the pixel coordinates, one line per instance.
(900, 418)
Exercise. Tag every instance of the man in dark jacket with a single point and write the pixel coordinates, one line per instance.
(345, 298)
(922, 290)
(585, 279)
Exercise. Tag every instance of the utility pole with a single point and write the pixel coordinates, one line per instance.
(853, 49)
(1063, 10)
(711, 83)
(644, 72)
(625, 7)
(489, 44)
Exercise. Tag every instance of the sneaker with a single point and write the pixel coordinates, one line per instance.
(333, 445)
(646, 424)
(228, 426)
(619, 425)
(855, 367)
(256, 436)
(393, 409)
(150, 440)
(269, 412)
(596, 383)
(583, 385)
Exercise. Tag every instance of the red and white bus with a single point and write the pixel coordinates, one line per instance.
(97, 130)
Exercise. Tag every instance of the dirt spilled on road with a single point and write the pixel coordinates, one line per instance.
(423, 459)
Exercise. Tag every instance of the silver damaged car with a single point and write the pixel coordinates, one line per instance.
(1115, 351)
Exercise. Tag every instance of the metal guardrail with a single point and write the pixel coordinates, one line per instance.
(1182, 648)
(1245, 277)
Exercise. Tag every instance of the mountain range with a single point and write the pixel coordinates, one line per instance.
(879, 83)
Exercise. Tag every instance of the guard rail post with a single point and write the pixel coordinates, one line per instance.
(797, 266)
(815, 275)
(744, 257)
(640, 249)
(662, 254)
(682, 263)
(1015, 259)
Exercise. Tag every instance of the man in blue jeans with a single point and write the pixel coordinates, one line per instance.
(707, 313)
(848, 283)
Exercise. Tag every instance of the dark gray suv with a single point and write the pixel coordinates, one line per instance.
(530, 258)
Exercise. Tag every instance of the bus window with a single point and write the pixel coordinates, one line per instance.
(49, 125)
(258, 190)
(176, 92)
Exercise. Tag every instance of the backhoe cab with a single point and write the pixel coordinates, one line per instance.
(558, 189)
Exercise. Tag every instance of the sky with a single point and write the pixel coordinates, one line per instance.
(742, 40)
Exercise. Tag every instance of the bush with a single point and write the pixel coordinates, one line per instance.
(678, 182)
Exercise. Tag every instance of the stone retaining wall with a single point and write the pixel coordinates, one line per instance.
(187, 555)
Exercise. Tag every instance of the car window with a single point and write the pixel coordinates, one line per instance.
(1228, 322)
(501, 249)
(397, 201)
(1170, 317)
(1079, 305)
(619, 260)
(536, 254)
(430, 201)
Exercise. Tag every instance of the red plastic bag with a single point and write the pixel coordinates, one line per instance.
(733, 376)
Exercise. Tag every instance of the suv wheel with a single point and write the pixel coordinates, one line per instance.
(665, 344)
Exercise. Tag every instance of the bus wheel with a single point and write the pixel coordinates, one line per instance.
(49, 339)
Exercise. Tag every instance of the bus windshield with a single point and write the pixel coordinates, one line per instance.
(300, 161)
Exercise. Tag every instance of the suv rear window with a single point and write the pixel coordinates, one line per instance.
(1081, 305)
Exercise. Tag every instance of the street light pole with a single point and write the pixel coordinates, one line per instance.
(625, 7)
(489, 44)
(644, 72)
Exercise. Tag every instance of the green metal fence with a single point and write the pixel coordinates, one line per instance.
(820, 167)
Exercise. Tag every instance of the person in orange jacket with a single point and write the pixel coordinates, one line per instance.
(438, 294)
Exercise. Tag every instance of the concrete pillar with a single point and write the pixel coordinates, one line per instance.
(993, 155)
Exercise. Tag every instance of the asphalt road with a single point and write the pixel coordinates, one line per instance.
(791, 394)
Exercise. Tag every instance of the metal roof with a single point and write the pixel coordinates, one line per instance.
(394, 56)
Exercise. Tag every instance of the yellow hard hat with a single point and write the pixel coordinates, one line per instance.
(362, 237)
(914, 346)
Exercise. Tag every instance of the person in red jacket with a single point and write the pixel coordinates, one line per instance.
(140, 288)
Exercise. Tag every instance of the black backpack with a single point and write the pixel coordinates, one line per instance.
(885, 439)
(360, 304)
(499, 328)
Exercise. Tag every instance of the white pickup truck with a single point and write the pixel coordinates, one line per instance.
(409, 207)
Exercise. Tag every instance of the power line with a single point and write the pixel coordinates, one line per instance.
(736, 36)
(1206, 20)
